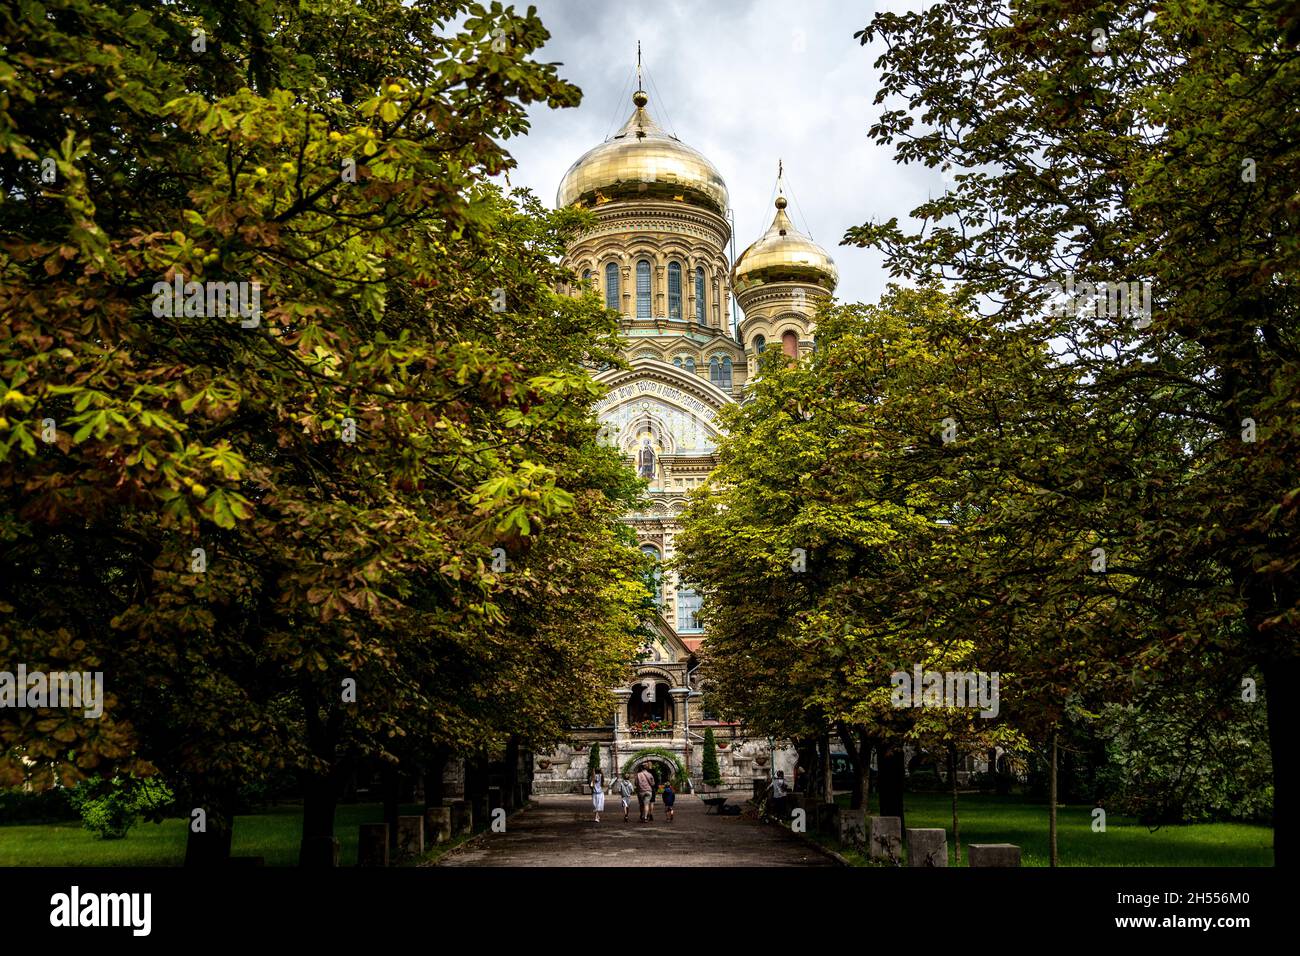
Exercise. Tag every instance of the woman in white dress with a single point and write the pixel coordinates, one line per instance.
(598, 793)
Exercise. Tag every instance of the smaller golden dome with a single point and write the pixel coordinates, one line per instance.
(784, 254)
(641, 161)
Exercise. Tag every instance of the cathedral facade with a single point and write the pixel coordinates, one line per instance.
(657, 255)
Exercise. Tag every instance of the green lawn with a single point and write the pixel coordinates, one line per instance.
(273, 834)
(1013, 819)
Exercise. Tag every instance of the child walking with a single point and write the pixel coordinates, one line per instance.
(669, 799)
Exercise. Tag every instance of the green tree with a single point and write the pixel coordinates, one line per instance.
(1121, 144)
(280, 534)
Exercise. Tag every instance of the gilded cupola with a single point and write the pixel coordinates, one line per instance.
(642, 162)
(783, 254)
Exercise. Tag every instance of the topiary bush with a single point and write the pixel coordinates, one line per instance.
(593, 761)
(711, 772)
(110, 808)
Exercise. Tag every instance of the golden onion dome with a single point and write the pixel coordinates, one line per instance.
(784, 254)
(641, 161)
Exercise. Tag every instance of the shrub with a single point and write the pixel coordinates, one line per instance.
(922, 780)
(111, 808)
(593, 761)
(30, 806)
(712, 773)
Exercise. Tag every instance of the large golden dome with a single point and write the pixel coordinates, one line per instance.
(641, 161)
(783, 254)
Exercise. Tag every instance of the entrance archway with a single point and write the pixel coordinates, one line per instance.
(662, 763)
(640, 709)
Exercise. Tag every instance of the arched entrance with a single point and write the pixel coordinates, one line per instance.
(661, 708)
(662, 763)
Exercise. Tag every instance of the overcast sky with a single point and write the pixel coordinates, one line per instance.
(745, 83)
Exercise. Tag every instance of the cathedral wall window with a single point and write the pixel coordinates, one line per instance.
(760, 343)
(643, 289)
(720, 372)
(699, 295)
(688, 611)
(674, 290)
(656, 574)
(790, 344)
(611, 286)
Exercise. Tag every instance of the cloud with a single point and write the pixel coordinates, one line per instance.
(746, 84)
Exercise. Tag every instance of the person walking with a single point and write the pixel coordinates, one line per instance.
(625, 793)
(598, 793)
(654, 793)
(669, 799)
(644, 783)
(779, 790)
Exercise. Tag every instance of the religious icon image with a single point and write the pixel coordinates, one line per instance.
(645, 460)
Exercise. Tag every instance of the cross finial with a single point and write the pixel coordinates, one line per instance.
(638, 65)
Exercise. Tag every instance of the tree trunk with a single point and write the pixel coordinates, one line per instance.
(858, 746)
(890, 757)
(952, 780)
(212, 846)
(511, 773)
(1279, 677)
(319, 801)
(391, 783)
(433, 771)
(1051, 803)
(321, 787)
(827, 781)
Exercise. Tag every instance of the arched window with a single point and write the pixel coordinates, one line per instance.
(674, 290)
(720, 372)
(611, 286)
(656, 581)
(699, 295)
(685, 362)
(586, 277)
(760, 343)
(790, 344)
(688, 611)
(643, 289)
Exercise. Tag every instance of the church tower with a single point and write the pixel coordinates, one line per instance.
(780, 282)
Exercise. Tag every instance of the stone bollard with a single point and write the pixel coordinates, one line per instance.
(993, 854)
(410, 836)
(850, 827)
(460, 822)
(437, 825)
(927, 847)
(886, 839)
(372, 845)
(321, 851)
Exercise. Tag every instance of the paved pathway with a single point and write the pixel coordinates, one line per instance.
(559, 831)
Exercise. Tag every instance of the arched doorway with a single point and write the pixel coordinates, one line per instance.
(640, 709)
(663, 764)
